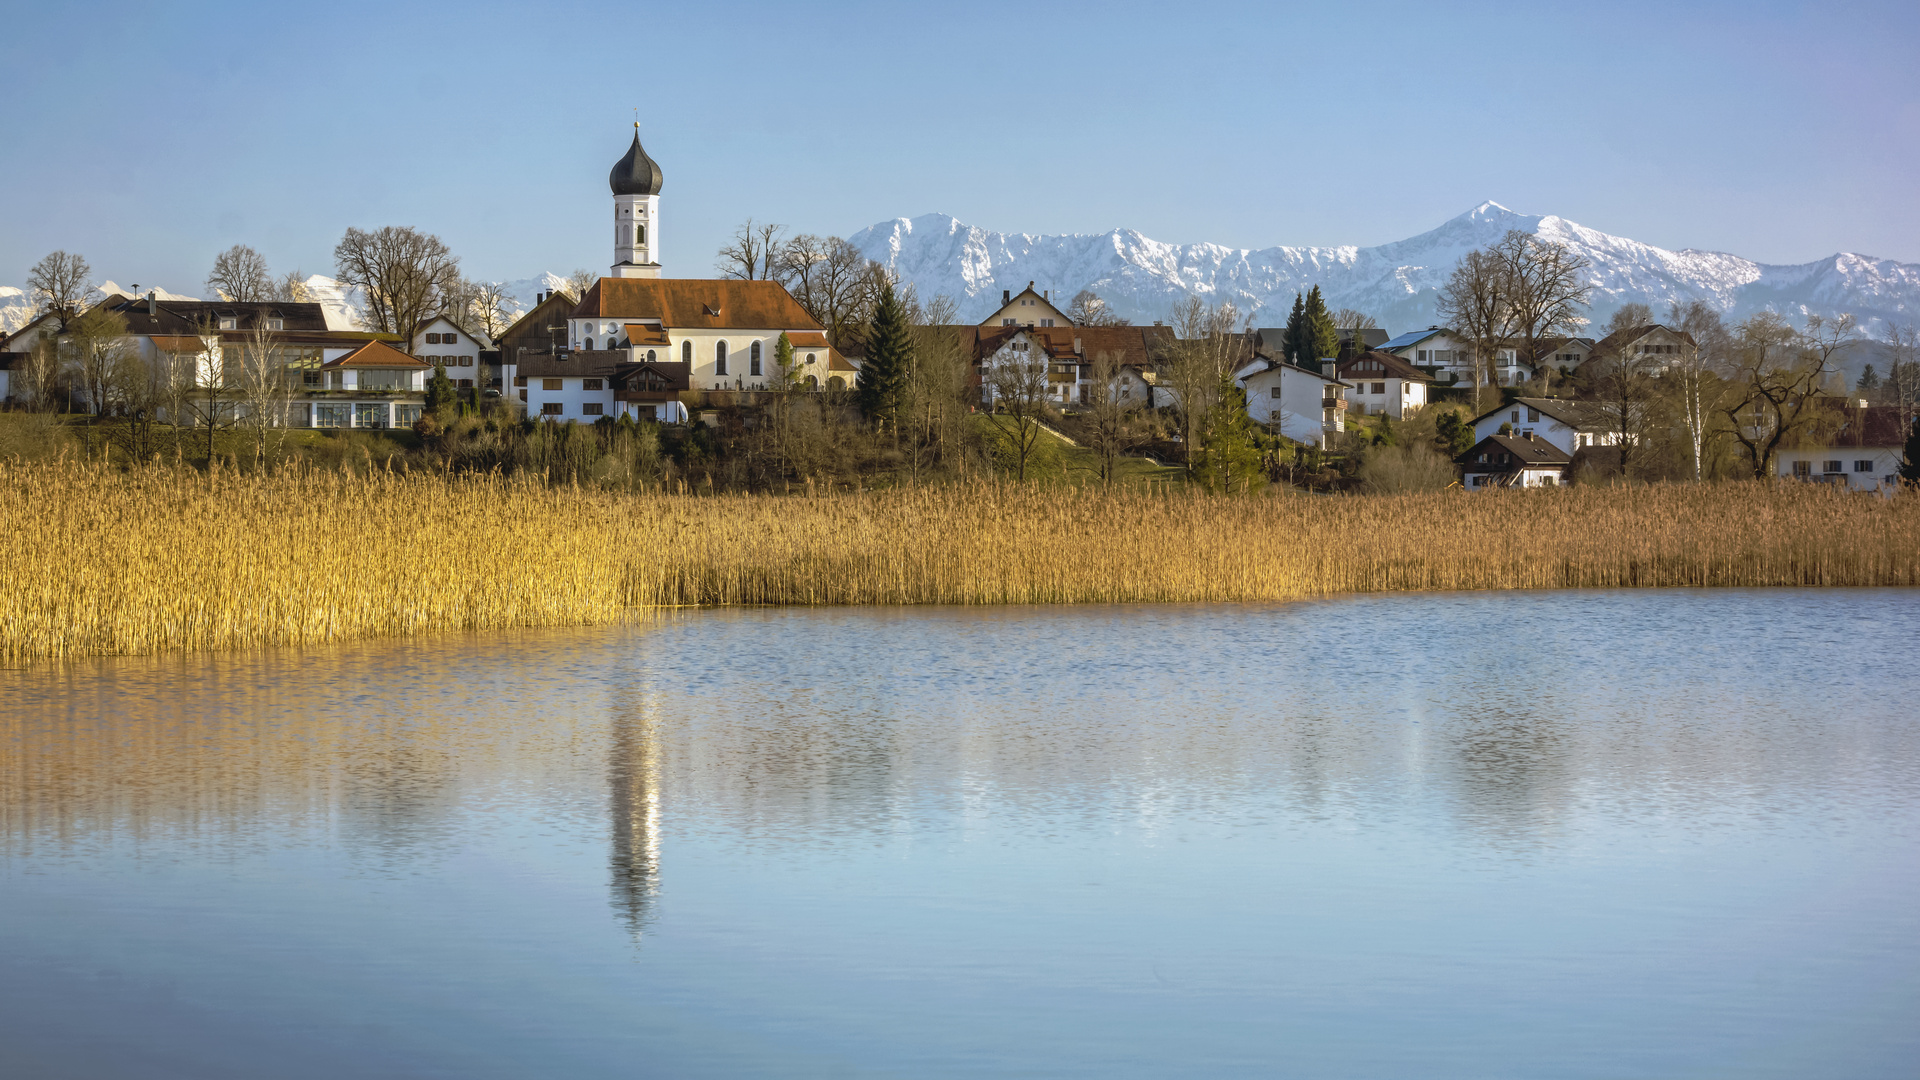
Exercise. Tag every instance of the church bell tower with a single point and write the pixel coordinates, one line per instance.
(636, 213)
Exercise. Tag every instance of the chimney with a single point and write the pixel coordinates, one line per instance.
(1327, 366)
(153, 301)
(1006, 296)
(1046, 294)
(1077, 350)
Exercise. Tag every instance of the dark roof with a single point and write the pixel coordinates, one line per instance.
(1622, 338)
(1872, 426)
(1413, 337)
(1517, 452)
(696, 304)
(635, 174)
(184, 316)
(575, 363)
(1389, 366)
(1130, 346)
(1577, 414)
(1546, 347)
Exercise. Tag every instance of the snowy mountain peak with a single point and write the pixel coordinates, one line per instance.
(1394, 282)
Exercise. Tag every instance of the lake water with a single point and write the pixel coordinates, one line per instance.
(1580, 834)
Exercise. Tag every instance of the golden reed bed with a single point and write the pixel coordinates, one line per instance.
(98, 561)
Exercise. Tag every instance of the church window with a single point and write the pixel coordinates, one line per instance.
(809, 358)
(753, 359)
(639, 234)
(649, 356)
(719, 358)
(589, 345)
(686, 352)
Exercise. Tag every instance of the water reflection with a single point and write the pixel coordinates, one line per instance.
(941, 842)
(633, 805)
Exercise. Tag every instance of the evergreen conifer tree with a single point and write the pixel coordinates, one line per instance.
(883, 375)
(1323, 336)
(1910, 466)
(1229, 460)
(1294, 343)
(441, 394)
(783, 363)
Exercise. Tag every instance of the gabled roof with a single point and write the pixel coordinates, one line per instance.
(1387, 366)
(1620, 339)
(696, 304)
(1248, 371)
(1576, 414)
(645, 335)
(1874, 426)
(1412, 338)
(376, 354)
(443, 317)
(1518, 453)
(556, 306)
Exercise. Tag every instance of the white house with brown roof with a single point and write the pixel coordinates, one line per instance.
(1862, 451)
(1566, 424)
(1512, 461)
(373, 386)
(1304, 405)
(1382, 384)
(441, 342)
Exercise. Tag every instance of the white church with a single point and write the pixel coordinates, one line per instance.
(641, 344)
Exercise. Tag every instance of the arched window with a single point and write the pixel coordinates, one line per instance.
(753, 359)
(639, 234)
(589, 345)
(686, 353)
(719, 358)
(813, 383)
(649, 356)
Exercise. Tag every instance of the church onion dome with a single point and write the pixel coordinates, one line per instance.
(635, 174)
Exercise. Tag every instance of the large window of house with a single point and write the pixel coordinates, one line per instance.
(370, 416)
(1379, 388)
(405, 415)
(552, 408)
(590, 384)
(719, 358)
(552, 384)
(1533, 416)
(519, 380)
(1803, 468)
(332, 416)
(753, 358)
(1830, 467)
(384, 379)
(1862, 466)
(591, 408)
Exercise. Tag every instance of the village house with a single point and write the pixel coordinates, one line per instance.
(1861, 449)
(1029, 308)
(1512, 461)
(1071, 352)
(1568, 425)
(1383, 384)
(1299, 403)
(441, 342)
(1449, 358)
(1656, 347)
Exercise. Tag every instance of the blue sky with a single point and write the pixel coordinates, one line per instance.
(150, 136)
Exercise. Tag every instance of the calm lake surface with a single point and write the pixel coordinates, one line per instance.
(1581, 834)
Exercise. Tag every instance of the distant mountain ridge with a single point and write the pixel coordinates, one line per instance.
(1394, 282)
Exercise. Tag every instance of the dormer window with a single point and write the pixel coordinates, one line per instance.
(229, 322)
(276, 324)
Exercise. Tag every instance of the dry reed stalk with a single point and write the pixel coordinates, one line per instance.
(98, 561)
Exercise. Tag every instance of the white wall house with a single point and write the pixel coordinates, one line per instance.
(1382, 384)
(445, 343)
(1568, 425)
(373, 386)
(1305, 406)
(1863, 453)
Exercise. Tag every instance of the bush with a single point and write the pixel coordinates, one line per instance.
(1400, 470)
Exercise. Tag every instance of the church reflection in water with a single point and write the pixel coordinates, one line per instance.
(633, 777)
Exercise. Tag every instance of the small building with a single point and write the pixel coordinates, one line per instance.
(374, 386)
(1860, 452)
(1028, 308)
(441, 342)
(1383, 384)
(1512, 461)
(1299, 403)
(1270, 340)
(1566, 424)
(1653, 346)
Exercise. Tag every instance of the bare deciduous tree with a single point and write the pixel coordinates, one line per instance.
(240, 276)
(1475, 305)
(1089, 309)
(935, 400)
(60, 285)
(1016, 383)
(1623, 382)
(834, 282)
(1902, 388)
(404, 274)
(1776, 396)
(260, 377)
(579, 282)
(753, 254)
(1546, 289)
(1694, 379)
(1203, 352)
(1826, 335)
(1113, 420)
(291, 288)
(99, 348)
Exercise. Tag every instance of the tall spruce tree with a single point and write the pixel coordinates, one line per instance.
(1294, 342)
(883, 375)
(1910, 459)
(1323, 336)
(441, 394)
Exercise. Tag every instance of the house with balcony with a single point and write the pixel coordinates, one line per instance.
(1300, 403)
(1382, 384)
(374, 386)
(1508, 461)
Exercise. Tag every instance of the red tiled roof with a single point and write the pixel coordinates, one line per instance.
(696, 304)
(377, 354)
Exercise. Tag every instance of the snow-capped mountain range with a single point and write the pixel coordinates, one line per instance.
(1395, 283)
